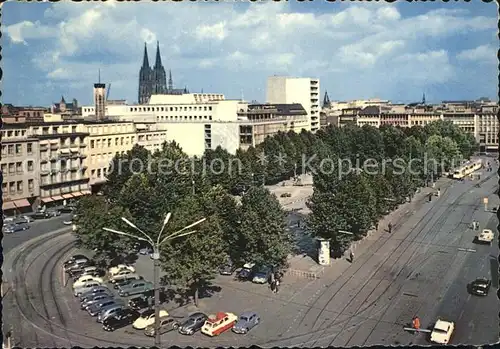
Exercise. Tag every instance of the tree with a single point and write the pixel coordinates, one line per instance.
(263, 230)
(190, 262)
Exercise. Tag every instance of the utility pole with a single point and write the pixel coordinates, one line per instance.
(155, 245)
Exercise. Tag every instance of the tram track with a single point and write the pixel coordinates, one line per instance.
(456, 203)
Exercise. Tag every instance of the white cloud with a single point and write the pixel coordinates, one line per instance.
(483, 53)
(353, 44)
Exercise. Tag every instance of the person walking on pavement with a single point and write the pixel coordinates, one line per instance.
(273, 286)
(390, 227)
(376, 226)
(416, 323)
(276, 286)
(351, 256)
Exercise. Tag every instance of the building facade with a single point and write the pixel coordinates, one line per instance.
(20, 169)
(20, 115)
(304, 91)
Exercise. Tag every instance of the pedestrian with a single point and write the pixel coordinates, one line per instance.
(351, 256)
(273, 286)
(276, 286)
(376, 226)
(298, 223)
(390, 227)
(416, 323)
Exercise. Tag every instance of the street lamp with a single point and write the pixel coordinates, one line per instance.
(155, 245)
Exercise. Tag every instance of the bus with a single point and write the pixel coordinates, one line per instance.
(468, 168)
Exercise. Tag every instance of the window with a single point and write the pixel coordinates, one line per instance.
(4, 188)
(92, 173)
(73, 129)
(12, 187)
(92, 144)
(109, 142)
(19, 149)
(19, 167)
(29, 147)
(20, 186)
(12, 168)
(30, 166)
(4, 168)
(116, 141)
(121, 141)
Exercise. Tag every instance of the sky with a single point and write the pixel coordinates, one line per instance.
(358, 50)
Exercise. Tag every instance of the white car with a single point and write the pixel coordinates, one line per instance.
(147, 318)
(120, 267)
(441, 334)
(85, 288)
(485, 236)
(84, 279)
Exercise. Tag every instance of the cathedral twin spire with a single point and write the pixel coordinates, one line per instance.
(152, 80)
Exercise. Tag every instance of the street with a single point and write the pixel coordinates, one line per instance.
(416, 270)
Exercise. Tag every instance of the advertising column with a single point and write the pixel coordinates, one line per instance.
(323, 252)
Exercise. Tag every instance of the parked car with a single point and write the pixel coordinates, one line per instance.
(486, 236)
(442, 332)
(23, 219)
(246, 322)
(480, 287)
(8, 219)
(246, 272)
(135, 287)
(53, 213)
(227, 268)
(121, 283)
(77, 264)
(14, 228)
(75, 258)
(167, 324)
(147, 318)
(119, 320)
(94, 271)
(145, 251)
(96, 308)
(85, 288)
(95, 291)
(286, 195)
(110, 311)
(143, 301)
(93, 300)
(86, 278)
(192, 324)
(261, 276)
(67, 209)
(218, 323)
(120, 267)
(124, 275)
(40, 215)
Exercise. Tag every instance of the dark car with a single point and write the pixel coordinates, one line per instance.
(67, 209)
(75, 258)
(227, 269)
(193, 323)
(123, 282)
(123, 318)
(14, 228)
(480, 287)
(246, 272)
(246, 322)
(41, 215)
(53, 213)
(146, 300)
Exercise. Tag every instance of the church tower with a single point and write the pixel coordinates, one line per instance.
(145, 79)
(159, 78)
(326, 100)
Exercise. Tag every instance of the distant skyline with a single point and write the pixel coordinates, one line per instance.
(358, 51)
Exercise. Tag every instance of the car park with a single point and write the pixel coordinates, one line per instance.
(246, 322)
(84, 279)
(246, 272)
(167, 324)
(97, 307)
(192, 324)
(218, 323)
(85, 288)
(110, 311)
(94, 291)
(442, 332)
(147, 318)
(261, 276)
(480, 287)
(93, 300)
(119, 320)
(120, 267)
(14, 228)
(135, 287)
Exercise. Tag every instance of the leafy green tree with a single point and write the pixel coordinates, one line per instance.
(263, 231)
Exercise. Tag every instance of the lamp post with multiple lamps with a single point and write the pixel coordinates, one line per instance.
(155, 245)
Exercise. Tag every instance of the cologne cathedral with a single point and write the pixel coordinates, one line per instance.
(153, 81)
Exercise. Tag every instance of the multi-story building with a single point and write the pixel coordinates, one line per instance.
(259, 121)
(304, 91)
(21, 115)
(108, 138)
(20, 169)
(205, 121)
(63, 174)
(486, 130)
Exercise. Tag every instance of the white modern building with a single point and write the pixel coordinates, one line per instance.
(205, 121)
(290, 90)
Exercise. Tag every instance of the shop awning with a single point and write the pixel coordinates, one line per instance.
(22, 203)
(57, 198)
(47, 199)
(77, 194)
(86, 192)
(67, 196)
(9, 205)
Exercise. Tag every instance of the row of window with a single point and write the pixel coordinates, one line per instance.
(46, 130)
(13, 133)
(17, 149)
(62, 177)
(112, 129)
(18, 167)
(99, 143)
(98, 173)
(185, 117)
(17, 187)
(153, 109)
